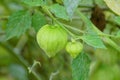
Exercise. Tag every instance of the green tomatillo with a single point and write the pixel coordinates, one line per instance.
(74, 48)
(52, 39)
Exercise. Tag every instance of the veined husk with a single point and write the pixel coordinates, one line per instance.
(74, 48)
(51, 39)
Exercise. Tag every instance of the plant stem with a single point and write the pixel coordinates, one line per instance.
(107, 35)
(75, 29)
(73, 35)
(19, 58)
(46, 10)
(111, 43)
(53, 74)
(106, 39)
(80, 31)
(34, 64)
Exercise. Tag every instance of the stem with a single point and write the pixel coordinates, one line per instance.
(80, 31)
(46, 10)
(95, 28)
(111, 43)
(21, 43)
(19, 58)
(73, 35)
(34, 64)
(75, 29)
(88, 23)
(36, 75)
(107, 35)
(53, 74)
(106, 39)
(79, 37)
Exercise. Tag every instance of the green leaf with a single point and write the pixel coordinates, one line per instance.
(59, 11)
(70, 6)
(107, 56)
(33, 2)
(116, 19)
(38, 20)
(118, 34)
(100, 3)
(114, 5)
(80, 67)
(91, 38)
(88, 23)
(18, 23)
(106, 72)
(86, 2)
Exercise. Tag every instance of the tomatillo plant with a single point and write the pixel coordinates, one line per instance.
(51, 24)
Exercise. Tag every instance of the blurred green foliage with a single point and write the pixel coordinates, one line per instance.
(25, 46)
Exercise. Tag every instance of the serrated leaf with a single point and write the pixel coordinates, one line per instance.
(70, 6)
(114, 5)
(59, 11)
(80, 67)
(91, 38)
(33, 2)
(18, 23)
(38, 20)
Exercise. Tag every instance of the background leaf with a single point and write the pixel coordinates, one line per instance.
(80, 67)
(118, 34)
(107, 56)
(100, 3)
(59, 11)
(114, 5)
(91, 37)
(18, 72)
(18, 23)
(86, 2)
(116, 19)
(70, 6)
(38, 20)
(33, 2)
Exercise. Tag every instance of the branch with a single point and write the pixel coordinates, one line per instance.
(53, 74)
(91, 6)
(46, 10)
(106, 38)
(19, 58)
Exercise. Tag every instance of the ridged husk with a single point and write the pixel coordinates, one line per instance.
(51, 39)
(74, 48)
